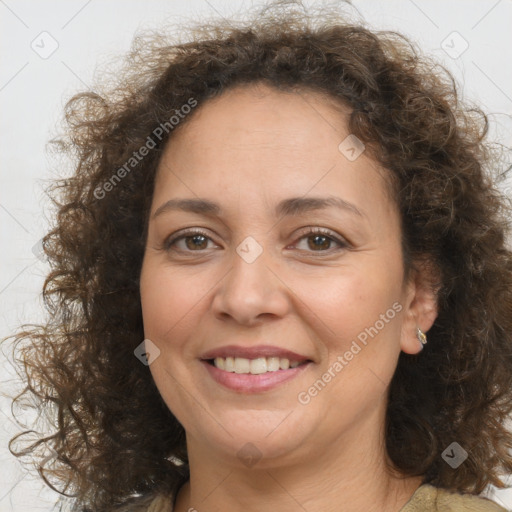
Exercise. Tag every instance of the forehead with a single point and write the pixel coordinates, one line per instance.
(260, 114)
(275, 142)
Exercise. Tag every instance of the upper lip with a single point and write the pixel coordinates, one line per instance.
(253, 352)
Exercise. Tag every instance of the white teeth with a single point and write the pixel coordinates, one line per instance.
(272, 364)
(229, 364)
(242, 365)
(258, 366)
(254, 366)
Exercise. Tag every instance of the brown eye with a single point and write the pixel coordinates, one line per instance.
(195, 241)
(321, 240)
(318, 240)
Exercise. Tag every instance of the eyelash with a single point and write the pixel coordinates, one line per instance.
(167, 245)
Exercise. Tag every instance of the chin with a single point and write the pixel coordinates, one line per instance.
(255, 439)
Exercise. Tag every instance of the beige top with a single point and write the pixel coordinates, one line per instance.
(426, 498)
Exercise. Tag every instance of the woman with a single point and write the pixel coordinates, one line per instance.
(280, 280)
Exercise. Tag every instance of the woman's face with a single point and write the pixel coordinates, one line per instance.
(256, 285)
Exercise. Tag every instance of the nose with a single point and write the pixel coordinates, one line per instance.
(251, 291)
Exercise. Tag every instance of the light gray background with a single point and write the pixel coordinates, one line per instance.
(35, 85)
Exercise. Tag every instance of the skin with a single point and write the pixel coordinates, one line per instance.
(248, 149)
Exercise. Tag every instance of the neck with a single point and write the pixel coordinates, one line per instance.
(353, 478)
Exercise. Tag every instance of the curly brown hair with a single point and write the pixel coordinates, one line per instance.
(116, 441)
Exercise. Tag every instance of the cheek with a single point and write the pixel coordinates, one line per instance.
(364, 319)
(169, 298)
(169, 302)
(355, 299)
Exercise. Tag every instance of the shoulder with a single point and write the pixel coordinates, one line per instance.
(160, 503)
(152, 503)
(428, 498)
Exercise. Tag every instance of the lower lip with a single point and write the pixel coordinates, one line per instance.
(249, 383)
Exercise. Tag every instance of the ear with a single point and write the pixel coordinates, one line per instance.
(420, 308)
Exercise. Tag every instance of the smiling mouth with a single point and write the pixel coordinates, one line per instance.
(256, 366)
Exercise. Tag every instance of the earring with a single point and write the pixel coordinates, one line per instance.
(422, 337)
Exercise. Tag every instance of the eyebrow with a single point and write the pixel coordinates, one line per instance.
(286, 207)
